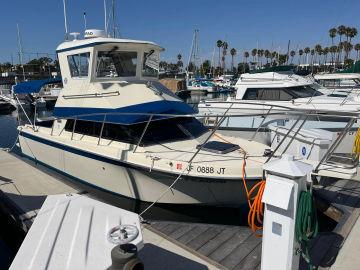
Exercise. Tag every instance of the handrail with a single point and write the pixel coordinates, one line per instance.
(262, 122)
(108, 94)
(143, 133)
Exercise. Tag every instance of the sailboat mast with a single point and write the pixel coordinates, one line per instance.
(113, 17)
(65, 20)
(20, 51)
(105, 19)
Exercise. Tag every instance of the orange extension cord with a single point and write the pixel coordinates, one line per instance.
(256, 212)
(254, 197)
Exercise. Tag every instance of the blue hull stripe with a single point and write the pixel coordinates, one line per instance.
(157, 107)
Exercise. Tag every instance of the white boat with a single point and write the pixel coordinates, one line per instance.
(7, 103)
(118, 129)
(278, 94)
(194, 85)
(342, 82)
(224, 80)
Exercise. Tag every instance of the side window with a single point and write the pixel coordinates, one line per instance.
(79, 64)
(251, 94)
(150, 66)
(285, 96)
(270, 94)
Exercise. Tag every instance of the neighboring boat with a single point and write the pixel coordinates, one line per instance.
(7, 103)
(275, 93)
(201, 85)
(224, 81)
(118, 129)
(341, 82)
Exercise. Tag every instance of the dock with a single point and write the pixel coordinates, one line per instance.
(24, 186)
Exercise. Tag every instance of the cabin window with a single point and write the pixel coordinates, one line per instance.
(159, 131)
(150, 66)
(281, 94)
(116, 64)
(79, 64)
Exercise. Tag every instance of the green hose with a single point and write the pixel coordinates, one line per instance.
(306, 224)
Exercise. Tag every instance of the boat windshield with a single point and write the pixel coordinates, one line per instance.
(116, 64)
(158, 131)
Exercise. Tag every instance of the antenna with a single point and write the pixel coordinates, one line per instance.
(85, 21)
(65, 20)
(113, 17)
(105, 17)
(20, 50)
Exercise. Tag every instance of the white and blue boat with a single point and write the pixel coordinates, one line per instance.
(117, 129)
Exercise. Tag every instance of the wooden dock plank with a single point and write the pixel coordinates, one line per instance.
(180, 231)
(251, 261)
(193, 233)
(214, 243)
(227, 247)
(240, 252)
(205, 237)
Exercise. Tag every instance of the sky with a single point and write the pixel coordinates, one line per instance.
(244, 24)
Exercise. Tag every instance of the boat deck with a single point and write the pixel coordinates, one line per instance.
(25, 185)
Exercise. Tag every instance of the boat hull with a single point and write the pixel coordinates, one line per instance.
(129, 180)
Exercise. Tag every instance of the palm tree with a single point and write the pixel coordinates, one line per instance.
(267, 55)
(332, 34)
(301, 52)
(246, 56)
(232, 53)
(347, 48)
(341, 31)
(307, 51)
(325, 52)
(357, 49)
(312, 53)
(219, 44)
(292, 54)
(273, 55)
(352, 33)
(260, 54)
(318, 50)
(254, 53)
(225, 46)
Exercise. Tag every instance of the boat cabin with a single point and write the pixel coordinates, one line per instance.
(275, 87)
(110, 75)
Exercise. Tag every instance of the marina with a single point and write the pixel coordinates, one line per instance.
(121, 149)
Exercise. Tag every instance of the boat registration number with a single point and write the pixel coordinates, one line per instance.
(207, 169)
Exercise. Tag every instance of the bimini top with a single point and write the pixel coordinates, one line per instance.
(35, 86)
(84, 43)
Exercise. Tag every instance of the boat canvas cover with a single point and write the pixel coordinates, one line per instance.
(35, 86)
